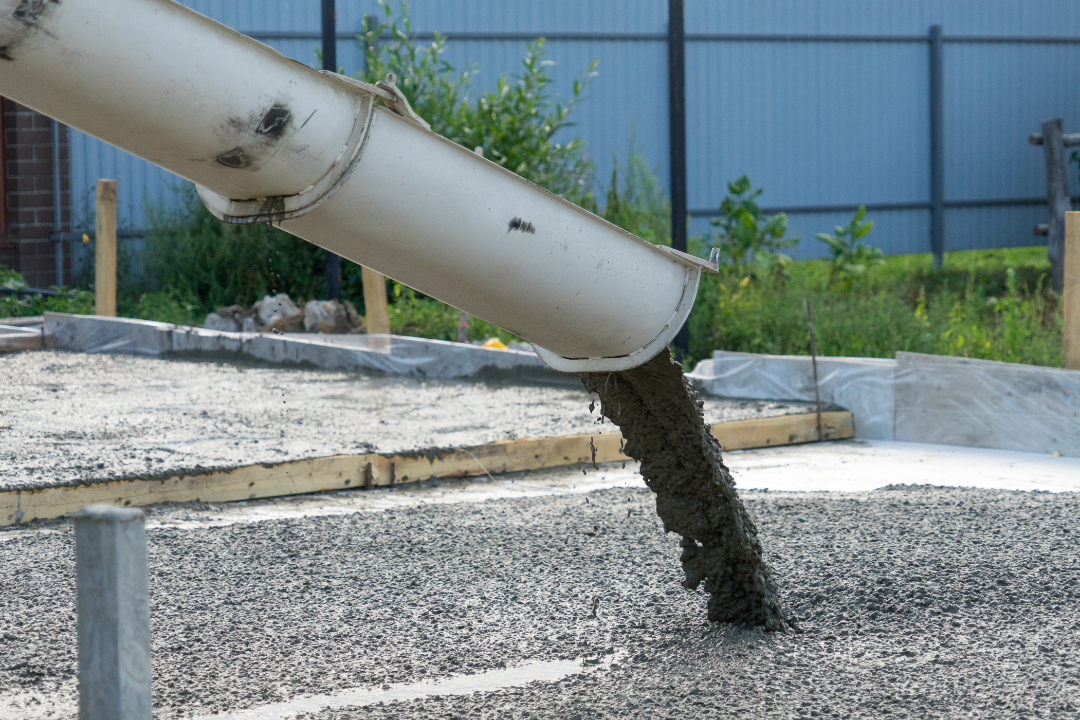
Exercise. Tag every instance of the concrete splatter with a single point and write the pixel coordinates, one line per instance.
(664, 426)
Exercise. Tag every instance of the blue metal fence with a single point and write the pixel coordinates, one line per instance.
(824, 103)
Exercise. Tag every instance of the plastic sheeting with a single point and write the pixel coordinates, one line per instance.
(862, 385)
(919, 398)
(389, 354)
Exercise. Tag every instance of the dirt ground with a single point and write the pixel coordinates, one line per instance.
(71, 418)
(916, 602)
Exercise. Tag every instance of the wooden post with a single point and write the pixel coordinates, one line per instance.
(378, 314)
(105, 250)
(1071, 264)
(1057, 198)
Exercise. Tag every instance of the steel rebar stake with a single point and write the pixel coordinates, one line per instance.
(114, 614)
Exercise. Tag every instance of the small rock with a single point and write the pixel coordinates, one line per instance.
(279, 312)
(326, 316)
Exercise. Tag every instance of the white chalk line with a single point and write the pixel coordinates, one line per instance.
(543, 671)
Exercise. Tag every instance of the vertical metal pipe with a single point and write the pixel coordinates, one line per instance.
(937, 147)
(329, 62)
(58, 210)
(1057, 198)
(113, 614)
(677, 133)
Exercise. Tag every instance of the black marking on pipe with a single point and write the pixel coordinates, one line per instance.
(275, 121)
(237, 158)
(309, 117)
(522, 225)
(31, 11)
(25, 20)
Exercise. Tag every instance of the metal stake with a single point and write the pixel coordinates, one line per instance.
(114, 614)
(813, 363)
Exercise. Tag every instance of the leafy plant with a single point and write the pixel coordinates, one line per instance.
(434, 88)
(851, 258)
(197, 260)
(746, 236)
(637, 204)
(70, 300)
(515, 125)
(419, 316)
(993, 305)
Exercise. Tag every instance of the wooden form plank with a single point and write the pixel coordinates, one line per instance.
(377, 470)
(16, 339)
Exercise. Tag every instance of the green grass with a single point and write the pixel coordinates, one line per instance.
(994, 305)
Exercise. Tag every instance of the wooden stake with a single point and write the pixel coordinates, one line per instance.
(378, 313)
(105, 250)
(1071, 299)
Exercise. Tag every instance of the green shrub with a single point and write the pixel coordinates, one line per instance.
(745, 235)
(515, 124)
(903, 304)
(637, 204)
(70, 300)
(851, 257)
(420, 316)
(193, 259)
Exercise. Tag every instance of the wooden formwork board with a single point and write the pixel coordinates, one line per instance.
(379, 470)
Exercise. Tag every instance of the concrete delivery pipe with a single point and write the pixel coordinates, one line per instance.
(268, 139)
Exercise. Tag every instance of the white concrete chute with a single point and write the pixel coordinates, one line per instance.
(268, 139)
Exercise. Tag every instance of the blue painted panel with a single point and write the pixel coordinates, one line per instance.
(896, 232)
(884, 17)
(811, 122)
(993, 227)
(995, 96)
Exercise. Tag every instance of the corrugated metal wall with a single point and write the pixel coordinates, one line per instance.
(824, 103)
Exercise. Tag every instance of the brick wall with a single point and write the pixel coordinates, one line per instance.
(28, 195)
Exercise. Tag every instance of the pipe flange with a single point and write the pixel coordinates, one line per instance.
(637, 357)
(278, 208)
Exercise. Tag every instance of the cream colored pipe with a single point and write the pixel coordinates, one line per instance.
(268, 139)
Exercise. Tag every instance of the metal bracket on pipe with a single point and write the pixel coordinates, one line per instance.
(398, 102)
(385, 90)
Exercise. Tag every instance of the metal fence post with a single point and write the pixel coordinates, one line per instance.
(329, 63)
(677, 131)
(114, 614)
(1057, 198)
(937, 146)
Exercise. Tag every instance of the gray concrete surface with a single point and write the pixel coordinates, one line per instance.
(916, 602)
(73, 418)
(960, 401)
(919, 398)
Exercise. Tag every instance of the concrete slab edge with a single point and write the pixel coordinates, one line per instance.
(390, 355)
(917, 397)
(370, 470)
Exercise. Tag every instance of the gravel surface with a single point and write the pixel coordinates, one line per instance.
(72, 418)
(916, 602)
